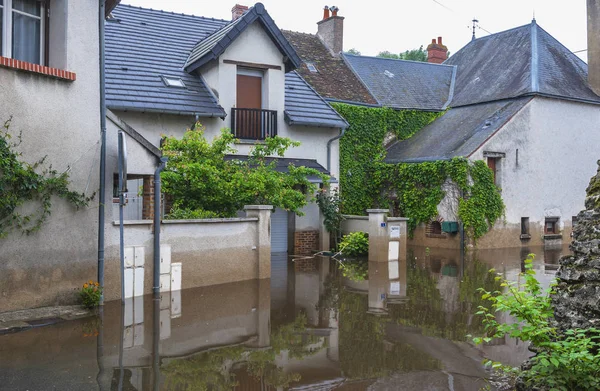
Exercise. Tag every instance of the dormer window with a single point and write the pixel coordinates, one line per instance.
(311, 67)
(22, 27)
(173, 82)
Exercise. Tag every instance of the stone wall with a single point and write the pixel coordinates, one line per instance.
(577, 298)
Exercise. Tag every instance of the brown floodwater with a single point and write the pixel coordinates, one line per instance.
(399, 325)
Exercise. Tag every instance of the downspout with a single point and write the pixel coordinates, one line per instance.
(159, 169)
(342, 132)
(102, 197)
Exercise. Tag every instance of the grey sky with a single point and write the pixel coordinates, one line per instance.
(406, 24)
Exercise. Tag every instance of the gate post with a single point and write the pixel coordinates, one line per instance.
(263, 237)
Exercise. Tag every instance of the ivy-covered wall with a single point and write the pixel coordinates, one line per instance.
(412, 190)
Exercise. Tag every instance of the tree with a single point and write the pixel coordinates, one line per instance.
(205, 184)
(412, 55)
(353, 51)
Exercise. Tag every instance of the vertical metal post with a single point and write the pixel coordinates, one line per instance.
(157, 191)
(102, 187)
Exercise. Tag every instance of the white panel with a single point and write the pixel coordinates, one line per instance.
(394, 288)
(128, 274)
(165, 282)
(165, 324)
(393, 270)
(138, 335)
(176, 271)
(129, 257)
(138, 309)
(165, 258)
(394, 251)
(128, 313)
(138, 281)
(128, 337)
(394, 231)
(279, 231)
(165, 300)
(139, 254)
(175, 304)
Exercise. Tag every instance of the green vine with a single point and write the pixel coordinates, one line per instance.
(20, 183)
(412, 190)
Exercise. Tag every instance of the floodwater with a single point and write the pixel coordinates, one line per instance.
(394, 326)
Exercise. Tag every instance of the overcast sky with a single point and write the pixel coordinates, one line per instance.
(399, 25)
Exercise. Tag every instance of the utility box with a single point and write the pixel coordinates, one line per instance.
(450, 227)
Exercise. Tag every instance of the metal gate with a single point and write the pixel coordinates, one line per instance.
(279, 231)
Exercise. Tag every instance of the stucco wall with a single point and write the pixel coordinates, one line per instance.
(557, 143)
(355, 224)
(60, 120)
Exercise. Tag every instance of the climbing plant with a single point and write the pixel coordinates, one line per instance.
(22, 184)
(413, 190)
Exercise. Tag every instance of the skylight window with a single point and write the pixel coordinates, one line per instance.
(173, 82)
(388, 74)
(311, 67)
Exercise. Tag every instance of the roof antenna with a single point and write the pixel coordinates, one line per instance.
(533, 20)
(475, 21)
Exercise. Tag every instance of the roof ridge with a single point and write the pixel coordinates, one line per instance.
(171, 12)
(398, 59)
(298, 32)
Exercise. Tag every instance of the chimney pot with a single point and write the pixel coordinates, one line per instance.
(326, 13)
(433, 41)
(439, 40)
(334, 10)
(237, 11)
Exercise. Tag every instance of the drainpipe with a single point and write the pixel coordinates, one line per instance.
(342, 132)
(161, 166)
(102, 197)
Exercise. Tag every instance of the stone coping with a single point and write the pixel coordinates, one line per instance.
(355, 217)
(219, 220)
(392, 219)
(378, 211)
(258, 207)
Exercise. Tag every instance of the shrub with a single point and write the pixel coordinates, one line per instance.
(355, 244)
(90, 294)
(356, 270)
(563, 361)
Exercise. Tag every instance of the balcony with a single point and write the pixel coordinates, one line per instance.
(253, 124)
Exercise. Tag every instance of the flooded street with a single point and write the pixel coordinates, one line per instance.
(393, 326)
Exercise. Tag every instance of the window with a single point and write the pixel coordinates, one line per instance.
(525, 228)
(573, 220)
(388, 74)
(434, 228)
(173, 81)
(311, 67)
(22, 27)
(492, 163)
(551, 226)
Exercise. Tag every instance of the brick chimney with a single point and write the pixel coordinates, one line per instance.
(237, 11)
(437, 52)
(593, 39)
(331, 30)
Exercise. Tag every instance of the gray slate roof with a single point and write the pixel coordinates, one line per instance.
(141, 46)
(213, 46)
(403, 84)
(522, 61)
(282, 164)
(459, 132)
(303, 106)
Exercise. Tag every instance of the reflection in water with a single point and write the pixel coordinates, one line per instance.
(403, 327)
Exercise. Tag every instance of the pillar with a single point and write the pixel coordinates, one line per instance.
(263, 237)
(378, 235)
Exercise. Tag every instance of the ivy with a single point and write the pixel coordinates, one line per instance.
(412, 190)
(21, 183)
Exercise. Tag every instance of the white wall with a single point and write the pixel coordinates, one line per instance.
(558, 148)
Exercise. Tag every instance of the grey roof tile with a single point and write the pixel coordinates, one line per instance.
(521, 61)
(459, 132)
(403, 84)
(141, 46)
(304, 106)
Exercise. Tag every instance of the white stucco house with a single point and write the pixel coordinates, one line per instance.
(520, 101)
(165, 71)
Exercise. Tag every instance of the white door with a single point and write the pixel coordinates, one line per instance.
(279, 231)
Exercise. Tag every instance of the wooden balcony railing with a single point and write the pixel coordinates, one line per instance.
(253, 124)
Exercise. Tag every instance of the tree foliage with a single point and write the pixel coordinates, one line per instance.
(21, 184)
(354, 52)
(205, 182)
(412, 55)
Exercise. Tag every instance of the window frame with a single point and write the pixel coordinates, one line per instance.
(7, 29)
(554, 222)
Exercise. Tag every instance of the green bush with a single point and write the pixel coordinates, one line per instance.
(355, 244)
(356, 270)
(563, 361)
